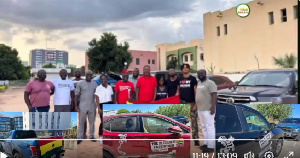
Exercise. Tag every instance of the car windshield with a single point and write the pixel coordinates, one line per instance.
(291, 120)
(25, 134)
(271, 79)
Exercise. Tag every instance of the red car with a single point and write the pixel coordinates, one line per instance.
(222, 82)
(163, 136)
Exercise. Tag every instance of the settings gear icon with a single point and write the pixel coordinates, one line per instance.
(269, 154)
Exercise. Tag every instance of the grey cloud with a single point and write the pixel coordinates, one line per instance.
(57, 14)
(31, 40)
(76, 44)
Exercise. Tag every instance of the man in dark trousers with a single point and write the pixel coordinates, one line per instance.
(187, 91)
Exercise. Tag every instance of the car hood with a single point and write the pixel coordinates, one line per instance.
(288, 125)
(254, 91)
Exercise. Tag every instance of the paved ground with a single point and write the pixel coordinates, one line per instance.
(290, 146)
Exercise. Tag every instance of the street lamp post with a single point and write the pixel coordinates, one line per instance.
(125, 64)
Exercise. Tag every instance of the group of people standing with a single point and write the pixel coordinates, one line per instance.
(85, 96)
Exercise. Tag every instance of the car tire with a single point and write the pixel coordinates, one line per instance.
(297, 138)
(278, 147)
(106, 154)
(17, 155)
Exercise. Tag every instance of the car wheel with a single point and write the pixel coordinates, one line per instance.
(106, 154)
(297, 138)
(17, 155)
(278, 147)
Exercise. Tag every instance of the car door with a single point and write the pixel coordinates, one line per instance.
(259, 130)
(228, 129)
(156, 129)
(7, 144)
(123, 128)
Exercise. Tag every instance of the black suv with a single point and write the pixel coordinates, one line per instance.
(243, 122)
(263, 87)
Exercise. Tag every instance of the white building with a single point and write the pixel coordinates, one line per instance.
(109, 112)
(52, 73)
(46, 120)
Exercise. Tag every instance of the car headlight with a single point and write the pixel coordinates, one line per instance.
(296, 130)
(276, 100)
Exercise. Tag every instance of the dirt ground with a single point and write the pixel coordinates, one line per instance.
(12, 100)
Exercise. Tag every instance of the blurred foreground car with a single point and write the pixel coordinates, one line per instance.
(243, 122)
(150, 127)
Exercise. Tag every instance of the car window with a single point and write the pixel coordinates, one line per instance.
(122, 124)
(159, 125)
(217, 80)
(25, 134)
(255, 121)
(227, 120)
(8, 136)
(281, 79)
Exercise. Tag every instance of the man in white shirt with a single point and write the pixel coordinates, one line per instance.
(64, 92)
(104, 95)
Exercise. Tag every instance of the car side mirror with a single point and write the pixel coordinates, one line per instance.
(273, 125)
(175, 130)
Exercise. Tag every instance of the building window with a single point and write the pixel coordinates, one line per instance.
(186, 58)
(57, 127)
(40, 124)
(148, 61)
(58, 117)
(296, 12)
(52, 117)
(46, 124)
(40, 116)
(33, 116)
(202, 56)
(153, 61)
(283, 15)
(271, 18)
(137, 61)
(225, 29)
(191, 57)
(46, 116)
(33, 123)
(218, 31)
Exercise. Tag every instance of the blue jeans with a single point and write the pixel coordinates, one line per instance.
(40, 109)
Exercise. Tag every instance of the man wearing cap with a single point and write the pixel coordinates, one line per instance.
(124, 89)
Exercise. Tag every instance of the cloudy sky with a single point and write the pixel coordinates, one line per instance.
(70, 24)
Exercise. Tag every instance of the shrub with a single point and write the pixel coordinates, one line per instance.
(2, 89)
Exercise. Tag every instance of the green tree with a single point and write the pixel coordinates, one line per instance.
(82, 70)
(49, 66)
(10, 64)
(275, 112)
(287, 61)
(73, 68)
(123, 111)
(136, 111)
(173, 63)
(174, 110)
(106, 54)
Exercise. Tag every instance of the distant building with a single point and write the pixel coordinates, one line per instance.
(109, 112)
(234, 44)
(8, 123)
(40, 57)
(39, 121)
(191, 53)
(139, 60)
(25, 63)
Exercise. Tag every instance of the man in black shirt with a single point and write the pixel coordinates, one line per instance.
(187, 91)
(172, 83)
